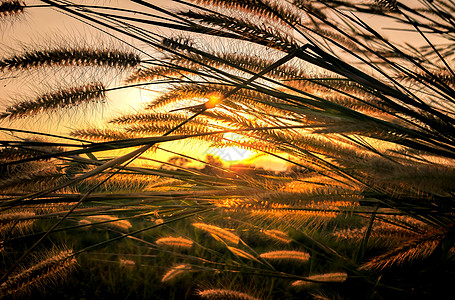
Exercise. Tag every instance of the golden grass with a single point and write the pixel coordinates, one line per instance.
(221, 294)
(59, 57)
(382, 231)
(218, 233)
(242, 253)
(112, 222)
(417, 249)
(11, 223)
(175, 242)
(286, 255)
(57, 101)
(11, 8)
(278, 235)
(54, 267)
(322, 278)
(127, 263)
(175, 272)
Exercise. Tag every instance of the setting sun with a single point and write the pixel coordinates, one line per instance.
(214, 99)
(233, 153)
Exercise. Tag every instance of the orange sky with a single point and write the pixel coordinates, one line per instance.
(43, 25)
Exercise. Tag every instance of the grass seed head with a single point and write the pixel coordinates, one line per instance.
(175, 242)
(221, 294)
(53, 267)
(11, 8)
(278, 235)
(176, 271)
(286, 255)
(110, 222)
(218, 233)
(127, 263)
(321, 278)
(58, 100)
(69, 57)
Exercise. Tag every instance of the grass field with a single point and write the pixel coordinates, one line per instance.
(210, 149)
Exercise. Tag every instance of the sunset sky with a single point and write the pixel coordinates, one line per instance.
(42, 26)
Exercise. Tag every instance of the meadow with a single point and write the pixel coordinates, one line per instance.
(271, 149)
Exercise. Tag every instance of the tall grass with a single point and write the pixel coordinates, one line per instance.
(363, 123)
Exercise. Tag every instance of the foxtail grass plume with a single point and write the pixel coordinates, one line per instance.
(414, 250)
(175, 272)
(53, 267)
(264, 9)
(242, 253)
(318, 296)
(127, 263)
(16, 222)
(84, 222)
(278, 235)
(154, 73)
(11, 8)
(110, 222)
(286, 255)
(237, 61)
(175, 242)
(37, 177)
(59, 57)
(387, 5)
(321, 278)
(96, 134)
(144, 118)
(264, 35)
(62, 99)
(9, 154)
(221, 294)
(295, 216)
(384, 231)
(218, 233)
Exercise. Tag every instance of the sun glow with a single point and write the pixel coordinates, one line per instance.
(233, 153)
(214, 99)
